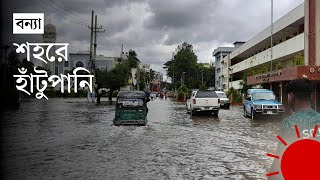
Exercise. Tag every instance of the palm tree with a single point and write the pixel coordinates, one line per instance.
(132, 59)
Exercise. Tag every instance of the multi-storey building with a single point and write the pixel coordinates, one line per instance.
(295, 34)
(219, 54)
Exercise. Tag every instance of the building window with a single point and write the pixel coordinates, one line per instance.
(66, 63)
(79, 64)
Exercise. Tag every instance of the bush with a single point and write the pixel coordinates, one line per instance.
(183, 89)
(115, 93)
(235, 94)
(238, 98)
(203, 87)
(181, 96)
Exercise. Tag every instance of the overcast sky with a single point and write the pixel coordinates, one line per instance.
(154, 28)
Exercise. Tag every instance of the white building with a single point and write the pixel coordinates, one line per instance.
(81, 59)
(288, 40)
(103, 62)
(219, 54)
(296, 32)
(158, 76)
(145, 67)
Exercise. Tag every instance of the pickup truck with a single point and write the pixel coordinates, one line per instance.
(261, 102)
(203, 101)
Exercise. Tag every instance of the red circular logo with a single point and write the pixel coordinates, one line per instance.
(301, 160)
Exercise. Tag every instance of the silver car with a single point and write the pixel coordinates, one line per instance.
(224, 100)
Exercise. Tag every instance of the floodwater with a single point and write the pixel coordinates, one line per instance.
(73, 139)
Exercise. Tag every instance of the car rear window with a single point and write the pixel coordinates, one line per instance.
(222, 95)
(206, 94)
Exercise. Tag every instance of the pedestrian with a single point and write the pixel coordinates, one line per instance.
(299, 100)
(147, 93)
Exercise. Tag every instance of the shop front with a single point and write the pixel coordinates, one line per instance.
(277, 81)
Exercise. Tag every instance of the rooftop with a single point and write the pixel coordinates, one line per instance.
(222, 49)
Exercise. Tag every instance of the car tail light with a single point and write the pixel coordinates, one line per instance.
(194, 101)
(218, 100)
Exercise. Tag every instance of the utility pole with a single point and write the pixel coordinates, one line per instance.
(91, 38)
(93, 51)
(271, 43)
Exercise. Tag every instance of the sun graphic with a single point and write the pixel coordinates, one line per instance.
(300, 159)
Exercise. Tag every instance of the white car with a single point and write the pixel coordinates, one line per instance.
(224, 100)
(203, 101)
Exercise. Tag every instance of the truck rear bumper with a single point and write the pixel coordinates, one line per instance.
(130, 122)
(206, 109)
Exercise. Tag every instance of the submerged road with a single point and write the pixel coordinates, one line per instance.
(73, 139)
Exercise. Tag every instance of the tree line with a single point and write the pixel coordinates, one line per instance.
(184, 70)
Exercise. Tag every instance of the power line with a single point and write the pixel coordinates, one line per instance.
(57, 9)
(83, 20)
(42, 7)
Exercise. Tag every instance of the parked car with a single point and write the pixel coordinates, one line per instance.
(131, 108)
(203, 101)
(261, 102)
(224, 100)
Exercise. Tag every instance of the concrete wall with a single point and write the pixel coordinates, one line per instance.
(288, 47)
(235, 84)
(283, 22)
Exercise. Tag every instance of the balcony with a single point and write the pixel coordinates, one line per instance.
(284, 49)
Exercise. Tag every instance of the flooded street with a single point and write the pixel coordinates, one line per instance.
(73, 139)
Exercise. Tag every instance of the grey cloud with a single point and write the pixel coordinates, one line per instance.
(154, 28)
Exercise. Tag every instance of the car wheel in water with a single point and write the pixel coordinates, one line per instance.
(252, 114)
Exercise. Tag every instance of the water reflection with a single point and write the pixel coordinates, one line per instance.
(70, 138)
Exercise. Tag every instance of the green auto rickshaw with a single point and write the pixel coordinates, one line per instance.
(131, 108)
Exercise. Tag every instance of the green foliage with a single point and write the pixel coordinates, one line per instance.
(132, 60)
(238, 98)
(203, 87)
(117, 77)
(278, 65)
(145, 78)
(298, 60)
(235, 94)
(115, 93)
(183, 89)
(101, 78)
(183, 60)
(181, 95)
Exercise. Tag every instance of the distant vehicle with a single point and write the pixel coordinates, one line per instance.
(131, 108)
(153, 95)
(224, 100)
(261, 101)
(203, 101)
